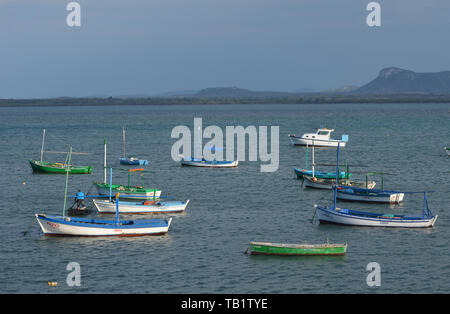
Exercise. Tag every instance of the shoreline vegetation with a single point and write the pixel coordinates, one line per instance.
(195, 100)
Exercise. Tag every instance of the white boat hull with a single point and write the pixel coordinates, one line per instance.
(107, 207)
(331, 216)
(129, 194)
(300, 141)
(392, 198)
(316, 185)
(208, 164)
(447, 149)
(68, 227)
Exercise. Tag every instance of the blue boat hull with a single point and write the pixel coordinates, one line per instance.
(65, 226)
(369, 195)
(133, 162)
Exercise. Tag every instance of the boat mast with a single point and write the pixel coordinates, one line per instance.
(337, 175)
(123, 140)
(313, 158)
(117, 208)
(110, 183)
(67, 181)
(42, 147)
(104, 161)
(306, 166)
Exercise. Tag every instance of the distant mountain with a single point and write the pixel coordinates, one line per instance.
(235, 92)
(344, 89)
(178, 93)
(304, 90)
(399, 81)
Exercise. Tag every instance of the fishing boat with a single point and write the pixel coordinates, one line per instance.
(266, 248)
(127, 191)
(328, 184)
(300, 173)
(70, 226)
(335, 215)
(41, 166)
(53, 225)
(369, 195)
(319, 174)
(131, 161)
(58, 168)
(322, 138)
(447, 149)
(198, 160)
(359, 218)
(146, 207)
(202, 162)
(74, 210)
(137, 192)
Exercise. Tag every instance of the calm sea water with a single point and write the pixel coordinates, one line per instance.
(204, 249)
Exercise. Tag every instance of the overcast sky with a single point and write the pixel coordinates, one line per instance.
(153, 46)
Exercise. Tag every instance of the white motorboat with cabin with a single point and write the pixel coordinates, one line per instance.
(322, 138)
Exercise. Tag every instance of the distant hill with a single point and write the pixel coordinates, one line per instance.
(235, 92)
(344, 89)
(399, 81)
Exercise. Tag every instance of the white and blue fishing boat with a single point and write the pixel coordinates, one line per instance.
(132, 161)
(128, 160)
(202, 162)
(69, 226)
(319, 139)
(199, 160)
(53, 225)
(343, 216)
(369, 195)
(146, 207)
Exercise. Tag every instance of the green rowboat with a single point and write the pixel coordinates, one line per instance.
(48, 167)
(56, 167)
(265, 248)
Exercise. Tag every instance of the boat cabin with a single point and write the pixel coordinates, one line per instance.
(320, 134)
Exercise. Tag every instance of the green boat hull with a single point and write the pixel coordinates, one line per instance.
(258, 248)
(131, 192)
(58, 168)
